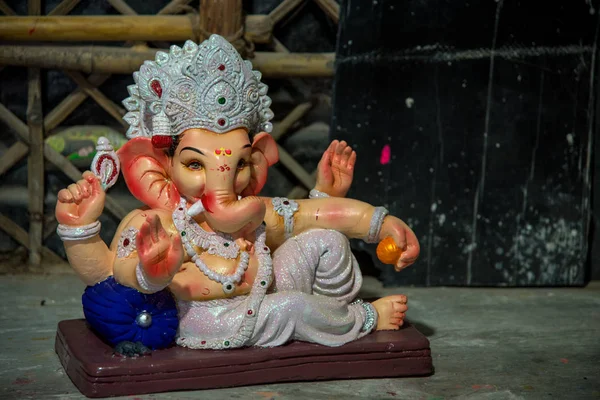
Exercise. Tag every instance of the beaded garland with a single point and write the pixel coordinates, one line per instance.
(215, 243)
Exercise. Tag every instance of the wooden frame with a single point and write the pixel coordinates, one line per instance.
(31, 135)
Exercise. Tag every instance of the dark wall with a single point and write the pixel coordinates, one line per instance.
(488, 109)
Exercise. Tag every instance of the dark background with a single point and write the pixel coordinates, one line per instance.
(506, 208)
(489, 111)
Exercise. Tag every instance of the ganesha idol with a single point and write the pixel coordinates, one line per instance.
(208, 263)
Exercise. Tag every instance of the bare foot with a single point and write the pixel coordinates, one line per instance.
(336, 169)
(391, 311)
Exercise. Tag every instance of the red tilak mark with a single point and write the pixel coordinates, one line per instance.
(228, 152)
(218, 151)
(208, 200)
(386, 155)
(206, 291)
(156, 87)
(221, 67)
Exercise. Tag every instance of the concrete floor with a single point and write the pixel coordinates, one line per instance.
(486, 344)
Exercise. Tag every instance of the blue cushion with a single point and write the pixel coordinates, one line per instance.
(111, 310)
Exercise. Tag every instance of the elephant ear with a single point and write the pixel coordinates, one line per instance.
(264, 154)
(145, 169)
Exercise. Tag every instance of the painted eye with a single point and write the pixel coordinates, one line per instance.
(195, 165)
(241, 164)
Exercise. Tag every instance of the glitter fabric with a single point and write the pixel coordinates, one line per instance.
(316, 278)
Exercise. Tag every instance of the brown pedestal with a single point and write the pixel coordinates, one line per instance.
(96, 372)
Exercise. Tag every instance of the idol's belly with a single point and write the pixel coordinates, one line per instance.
(191, 284)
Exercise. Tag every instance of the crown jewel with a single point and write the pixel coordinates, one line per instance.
(206, 86)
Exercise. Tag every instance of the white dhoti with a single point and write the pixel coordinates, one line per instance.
(316, 279)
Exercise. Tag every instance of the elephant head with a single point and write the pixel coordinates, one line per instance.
(225, 171)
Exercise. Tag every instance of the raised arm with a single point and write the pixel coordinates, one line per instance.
(353, 218)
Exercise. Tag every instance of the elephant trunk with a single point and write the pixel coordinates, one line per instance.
(225, 213)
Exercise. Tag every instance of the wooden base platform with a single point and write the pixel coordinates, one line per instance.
(97, 372)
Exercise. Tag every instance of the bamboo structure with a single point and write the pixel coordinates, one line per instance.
(119, 28)
(223, 17)
(115, 60)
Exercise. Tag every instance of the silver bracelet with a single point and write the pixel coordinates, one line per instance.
(317, 194)
(376, 222)
(72, 233)
(370, 317)
(286, 208)
(145, 284)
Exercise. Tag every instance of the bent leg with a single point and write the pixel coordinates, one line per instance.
(293, 315)
(319, 262)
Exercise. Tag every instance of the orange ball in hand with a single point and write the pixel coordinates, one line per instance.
(388, 252)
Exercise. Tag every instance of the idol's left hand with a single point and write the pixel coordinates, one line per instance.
(405, 239)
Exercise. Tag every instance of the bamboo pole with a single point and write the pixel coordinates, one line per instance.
(122, 7)
(35, 162)
(116, 28)
(55, 158)
(294, 116)
(21, 236)
(295, 168)
(78, 96)
(283, 9)
(65, 7)
(223, 17)
(331, 8)
(99, 59)
(5, 8)
(13, 155)
(70, 103)
(174, 7)
(108, 105)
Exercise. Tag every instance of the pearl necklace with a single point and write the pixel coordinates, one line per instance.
(216, 243)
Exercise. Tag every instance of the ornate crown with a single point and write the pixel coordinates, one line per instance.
(205, 86)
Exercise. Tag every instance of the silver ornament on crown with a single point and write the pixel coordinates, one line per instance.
(206, 86)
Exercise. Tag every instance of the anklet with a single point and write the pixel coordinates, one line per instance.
(72, 233)
(370, 319)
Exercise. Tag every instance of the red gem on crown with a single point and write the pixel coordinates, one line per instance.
(155, 85)
(221, 121)
(162, 141)
(250, 312)
(221, 67)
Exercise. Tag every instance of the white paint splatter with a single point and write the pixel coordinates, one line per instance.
(570, 139)
(433, 207)
(519, 78)
(441, 219)
(409, 102)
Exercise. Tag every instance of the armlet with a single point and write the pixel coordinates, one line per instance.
(127, 242)
(286, 208)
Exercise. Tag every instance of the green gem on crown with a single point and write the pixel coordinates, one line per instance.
(221, 100)
(226, 343)
(182, 233)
